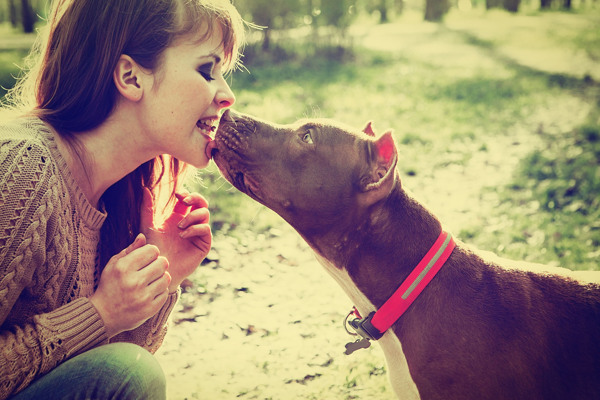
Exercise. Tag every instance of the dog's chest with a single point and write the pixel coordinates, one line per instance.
(399, 375)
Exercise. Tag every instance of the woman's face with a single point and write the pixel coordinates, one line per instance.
(186, 96)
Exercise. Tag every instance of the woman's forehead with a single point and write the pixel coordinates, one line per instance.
(203, 44)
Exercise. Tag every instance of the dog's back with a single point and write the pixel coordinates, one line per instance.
(504, 333)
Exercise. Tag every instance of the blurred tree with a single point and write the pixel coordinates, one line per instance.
(511, 5)
(12, 12)
(271, 14)
(508, 5)
(489, 4)
(27, 16)
(436, 9)
(384, 8)
(338, 14)
(23, 13)
(398, 6)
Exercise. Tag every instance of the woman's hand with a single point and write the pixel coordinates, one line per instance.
(185, 236)
(133, 287)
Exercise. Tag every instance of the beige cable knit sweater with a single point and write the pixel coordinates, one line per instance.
(49, 233)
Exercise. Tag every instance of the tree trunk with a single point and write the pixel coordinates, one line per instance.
(545, 4)
(512, 5)
(436, 9)
(383, 12)
(489, 4)
(266, 44)
(12, 12)
(27, 16)
(399, 6)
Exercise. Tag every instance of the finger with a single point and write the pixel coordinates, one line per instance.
(147, 211)
(185, 201)
(139, 241)
(161, 298)
(198, 231)
(140, 258)
(195, 200)
(155, 270)
(198, 216)
(180, 207)
(202, 244)
(160, 286)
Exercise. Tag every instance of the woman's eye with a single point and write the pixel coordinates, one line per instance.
(206, 71)
(307, 138)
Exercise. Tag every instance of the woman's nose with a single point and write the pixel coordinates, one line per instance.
(224, 96)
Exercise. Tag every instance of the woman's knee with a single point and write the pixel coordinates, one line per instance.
(134, 371)
(121, 371)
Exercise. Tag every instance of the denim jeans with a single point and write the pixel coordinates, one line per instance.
(119, 371)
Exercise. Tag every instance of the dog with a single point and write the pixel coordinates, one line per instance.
(471, 326)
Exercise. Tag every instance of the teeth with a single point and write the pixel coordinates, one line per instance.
(206, 125)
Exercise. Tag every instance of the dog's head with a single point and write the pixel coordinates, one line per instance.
(314, 173)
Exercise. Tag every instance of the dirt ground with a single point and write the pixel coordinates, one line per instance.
(261, 319)
(264, 320)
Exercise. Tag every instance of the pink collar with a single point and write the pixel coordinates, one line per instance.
(376, 323)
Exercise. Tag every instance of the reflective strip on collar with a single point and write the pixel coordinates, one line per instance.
(419, 278)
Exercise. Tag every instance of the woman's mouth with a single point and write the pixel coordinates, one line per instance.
(207, 126)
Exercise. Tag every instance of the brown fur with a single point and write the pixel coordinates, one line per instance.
(480, 330)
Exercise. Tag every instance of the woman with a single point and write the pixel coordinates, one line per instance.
(125, 93)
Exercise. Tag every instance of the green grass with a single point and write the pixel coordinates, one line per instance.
(556, 202)
(449, 110)
(10, 68)
(450, 92)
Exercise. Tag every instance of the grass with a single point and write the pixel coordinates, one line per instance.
(555, 193)
(496, 118)
(10, 68)
(452, 111)
(448, 91)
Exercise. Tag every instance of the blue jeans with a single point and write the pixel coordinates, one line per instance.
(119, 371)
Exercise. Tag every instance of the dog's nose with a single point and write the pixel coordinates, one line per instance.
(227, 116)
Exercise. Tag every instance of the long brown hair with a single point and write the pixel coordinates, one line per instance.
(71, 86)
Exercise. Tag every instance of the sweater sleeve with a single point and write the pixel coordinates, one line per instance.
(151, 333)
(29, 194)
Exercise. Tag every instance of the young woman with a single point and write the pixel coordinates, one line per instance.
(125, 93)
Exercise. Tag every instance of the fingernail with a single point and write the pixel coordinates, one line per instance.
(137, 239)
(183, 234)
(187, 199)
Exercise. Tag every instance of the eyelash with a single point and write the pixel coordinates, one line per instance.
(206, 71)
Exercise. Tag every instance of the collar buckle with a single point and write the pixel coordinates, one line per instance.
(365, 328)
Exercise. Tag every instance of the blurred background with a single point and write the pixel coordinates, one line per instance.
(495, 106)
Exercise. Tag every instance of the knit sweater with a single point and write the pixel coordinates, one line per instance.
(49, 235)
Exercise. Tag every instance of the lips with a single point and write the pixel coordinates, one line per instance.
(211, 149)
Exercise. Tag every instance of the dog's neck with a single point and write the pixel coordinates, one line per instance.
(380, 247)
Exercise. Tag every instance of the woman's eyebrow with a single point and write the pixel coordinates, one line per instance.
(211, 55)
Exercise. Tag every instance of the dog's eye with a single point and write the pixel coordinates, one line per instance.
(307, 138)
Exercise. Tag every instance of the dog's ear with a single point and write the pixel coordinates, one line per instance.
(379, 179)
(369, 129)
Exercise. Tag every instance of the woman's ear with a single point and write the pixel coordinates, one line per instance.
(128, 79)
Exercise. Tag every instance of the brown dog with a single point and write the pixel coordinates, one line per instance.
(481, 329)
